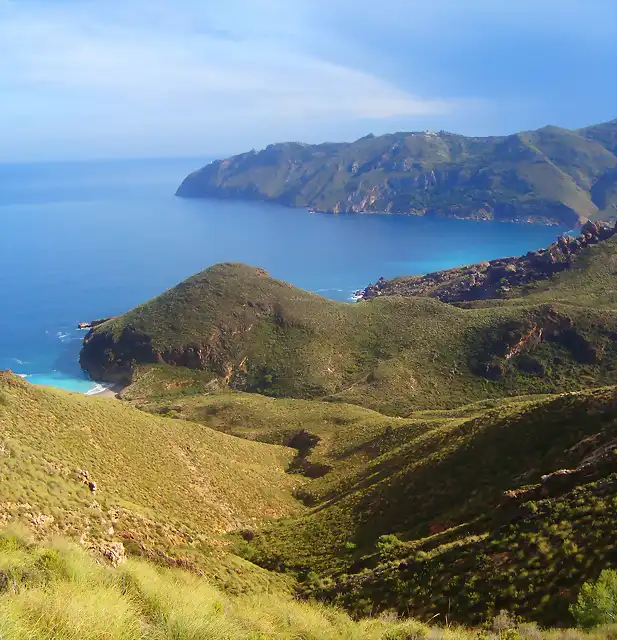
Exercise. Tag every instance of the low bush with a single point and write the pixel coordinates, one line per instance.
(597, 601)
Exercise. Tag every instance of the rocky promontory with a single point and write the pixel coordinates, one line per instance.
(495, 278)
(549, 176)
(92, 323)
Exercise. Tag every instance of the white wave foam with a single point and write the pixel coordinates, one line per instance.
(99, 388)
(356, 294)
(24, 375)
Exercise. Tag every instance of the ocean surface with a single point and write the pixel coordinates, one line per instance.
(80, 241)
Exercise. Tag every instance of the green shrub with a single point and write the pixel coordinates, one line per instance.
(597, 601)
(388, 546)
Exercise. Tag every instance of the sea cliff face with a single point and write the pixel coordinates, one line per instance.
(552, 175)
(110, 360)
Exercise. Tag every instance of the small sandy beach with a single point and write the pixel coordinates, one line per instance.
(108, 391)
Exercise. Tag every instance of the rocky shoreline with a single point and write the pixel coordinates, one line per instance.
(92, 324)
(495, 278)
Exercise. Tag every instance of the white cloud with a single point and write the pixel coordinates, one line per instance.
(128, 64)
(198, 76)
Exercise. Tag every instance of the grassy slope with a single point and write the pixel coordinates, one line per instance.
(590, 283)
(546, 173)
(162, 486)
(440, 488)
(605, 134)
(426, 456)
(59, 592)
(437, 480)
(392, 354)
(343, 438)
(333, 440)
(604, 194)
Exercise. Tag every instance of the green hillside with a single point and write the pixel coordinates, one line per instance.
(503, 504)
(551, 174)
(244, 330)
(58, 592)
(484, 513)
(100, 470)
(442, 515)
(605, 134)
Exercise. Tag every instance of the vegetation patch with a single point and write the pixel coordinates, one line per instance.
(243, 330)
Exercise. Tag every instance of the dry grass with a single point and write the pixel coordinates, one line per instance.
(58, 592)
(160, 483)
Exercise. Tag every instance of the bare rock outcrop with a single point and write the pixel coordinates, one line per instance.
(84, 477)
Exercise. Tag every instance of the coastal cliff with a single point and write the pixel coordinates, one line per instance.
(550, 176)
(495, 278)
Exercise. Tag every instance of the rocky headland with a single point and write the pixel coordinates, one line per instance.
(495, 278)
(548, 176)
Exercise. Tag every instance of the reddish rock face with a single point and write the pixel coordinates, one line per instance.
(518, 340)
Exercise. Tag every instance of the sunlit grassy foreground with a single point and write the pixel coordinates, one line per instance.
(60, 592)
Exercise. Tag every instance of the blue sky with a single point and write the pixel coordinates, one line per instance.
(94, 78)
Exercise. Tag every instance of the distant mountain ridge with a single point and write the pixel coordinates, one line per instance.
(551, 175)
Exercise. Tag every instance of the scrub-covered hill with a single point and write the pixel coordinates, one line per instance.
(465, 513)
(101, 470)
(502, 504)
(551, 174)
(395, 353)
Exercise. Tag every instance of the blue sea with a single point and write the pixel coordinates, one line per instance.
(80, 241)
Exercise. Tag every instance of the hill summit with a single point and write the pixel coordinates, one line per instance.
(551, 175)
(244, 330)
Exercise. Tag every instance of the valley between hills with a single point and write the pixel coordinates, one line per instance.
(435, 455)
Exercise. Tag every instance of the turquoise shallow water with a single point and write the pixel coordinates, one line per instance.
(65, 380)
(83, 241)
